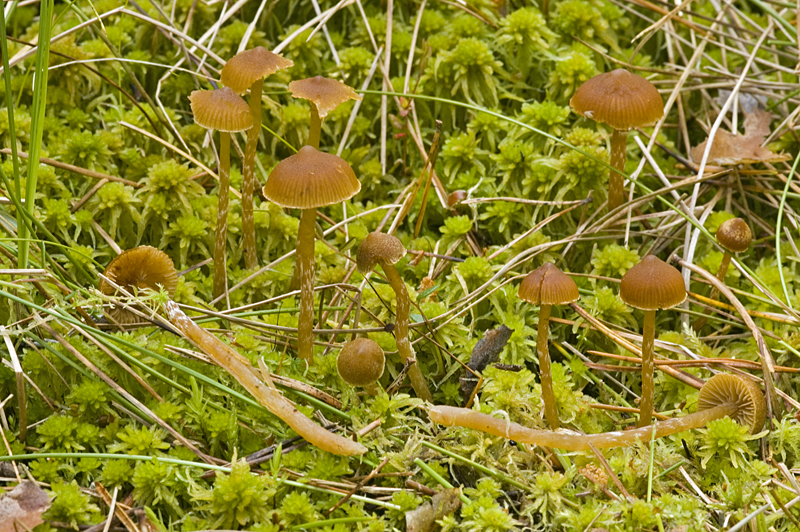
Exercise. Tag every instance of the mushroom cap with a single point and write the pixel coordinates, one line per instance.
(378, 247)
(139, 268)
(248, 66)
(547, 285)
(652, 284)
(620, 99)
(360, 362)
(726, 388)
(734, 235)
(221, 109)
(326, 93)
(310, 179)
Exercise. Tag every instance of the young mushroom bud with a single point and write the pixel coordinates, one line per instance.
(546, 286)
(624, 101)
(385, 250)
(361, 363)
(325, 95)
(649, 286)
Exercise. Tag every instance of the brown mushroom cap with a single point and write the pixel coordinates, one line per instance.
(652, 284)
(378, 246)
(247, 66)
(734, 235)
(620, 99)
(360, 362)
(326, 93)
(547, 285)
(725, 388)
(310, 179)
(221, 109)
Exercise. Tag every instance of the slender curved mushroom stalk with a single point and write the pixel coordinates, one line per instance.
(308, 180)
(385, 250)
(247, 70)
(325, 95)
(623, 101)
(547, 286)
(360, 363)
(225, 111)
(649, 286)
(723, 395)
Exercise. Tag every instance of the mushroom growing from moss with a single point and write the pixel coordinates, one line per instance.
(649, 286)
(308, 180)
(546, 286)
(623, 101)
(225, 111)
(247, 70)
(360, 363)
(385, 250)
(325, 95)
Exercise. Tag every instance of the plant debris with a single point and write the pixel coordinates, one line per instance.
(730, 149)
(22, 507)
(424, 517)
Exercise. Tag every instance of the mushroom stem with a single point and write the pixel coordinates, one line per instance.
(220, 268)
(305, 267)
(721, 273)
(462, 417)
(619, 143)
(372, 388)
(315, 127)
(249, 177)
(648, 366)
(401, 331)
(543, 350)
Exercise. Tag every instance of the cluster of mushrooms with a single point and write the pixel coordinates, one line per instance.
(311, 179)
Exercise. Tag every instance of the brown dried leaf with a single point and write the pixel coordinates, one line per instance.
(484, 353)
(22, 507)
(730, 149)
(424, 517)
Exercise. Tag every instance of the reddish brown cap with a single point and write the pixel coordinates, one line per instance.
(248, 66)
(326, 93)
(725, 388)
(734, 235)
(311, 179)
(620, 99)
(378, 247)
(360, 362)
(547, 285)
(652, 284)
(456, 197)
(221, 109)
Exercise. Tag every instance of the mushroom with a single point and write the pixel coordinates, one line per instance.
(134, 270)
(308, 180)
(546, 286)
(649, 286)
(623, 101)
(722, 395)
(385, 250)
(247, 70)
(225, 111)
(360, 363)
(325, 95)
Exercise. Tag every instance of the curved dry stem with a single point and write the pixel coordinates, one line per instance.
(249, 178)
(315, 127)
(220, 241)
(305, 268)
(543, 350)
(721, 273)
(616, 192)
(648, 367)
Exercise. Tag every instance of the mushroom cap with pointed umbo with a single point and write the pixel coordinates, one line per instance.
(376, 247)
(248, 66)
(734, 235)
(620, 99)
(548, 285)
(652, 284)
(221, 109)
(726, 388)
(327, 94)
(360, 362)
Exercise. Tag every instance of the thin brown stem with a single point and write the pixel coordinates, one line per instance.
(543, 350)
(220, 242)
(648, 367)
(619, 143)
(305, 268)
(721, 273)
(249, 178)
(315, 127)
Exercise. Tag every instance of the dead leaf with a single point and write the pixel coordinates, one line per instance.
(424, 517)
(22, 507)
(484, 353)
(730, 149)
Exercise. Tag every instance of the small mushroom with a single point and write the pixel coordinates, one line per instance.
(225, 111)
(649, 286)
(325, 95)
(247, 70)
(546, 286)
(623, 101)
(308, 180)
(385, 250)
(361, 363)
(134, 270)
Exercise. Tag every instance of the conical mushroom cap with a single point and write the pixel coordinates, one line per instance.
(726, 388)
(652, 284)
(137, 269)
(620, 99)
(734, 235)
(221, 109)
(378, 247)
(326, 93)
(547, 285)
(360, 362)
(311, 179)
(250, 65)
